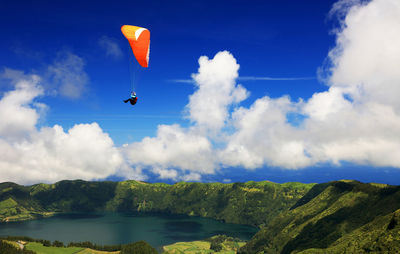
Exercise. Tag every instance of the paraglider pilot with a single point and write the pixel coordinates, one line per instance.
(133, 99)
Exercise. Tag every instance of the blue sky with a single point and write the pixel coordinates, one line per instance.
(77, 51)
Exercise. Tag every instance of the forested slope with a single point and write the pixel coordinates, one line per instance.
(253, 203)
(335, 217)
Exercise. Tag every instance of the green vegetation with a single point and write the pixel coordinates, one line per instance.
(215, 244)
(225, 244)
(41, 245)
(188, 247)
(40, 249)
(90, 251)
(336, 217)
(252, 203)
(15, 244)
(57, 247)
(16, 204)
(97, 247)
(12, 248)
(138, 247)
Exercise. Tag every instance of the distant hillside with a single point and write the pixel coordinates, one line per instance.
(335, 217)
(252, 203)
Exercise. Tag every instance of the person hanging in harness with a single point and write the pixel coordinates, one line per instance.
(133, 98)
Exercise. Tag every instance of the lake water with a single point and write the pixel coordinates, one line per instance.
(121, 228)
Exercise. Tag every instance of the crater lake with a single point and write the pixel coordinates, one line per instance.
(121, 228)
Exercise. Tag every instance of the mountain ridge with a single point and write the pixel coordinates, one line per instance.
(335, 217)
(344, 216)
(252, 203)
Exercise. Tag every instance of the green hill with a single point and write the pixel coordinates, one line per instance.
(335, 217)
(253, 203)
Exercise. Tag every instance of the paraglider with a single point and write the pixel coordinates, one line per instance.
(132, 99)
(139, 40)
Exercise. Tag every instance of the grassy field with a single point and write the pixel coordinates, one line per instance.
(40, 249)
(231, 247)
(188, 247)
(202, 247)
(195, 247)
(90, 251)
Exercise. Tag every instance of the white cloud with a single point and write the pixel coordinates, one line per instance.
(325, 104)
(216, 91)
(191, 177)
(173, 147)
(18, 112)
(264, 137)
(67, 76)
(363, 129)
(111, 47)
(365, 64)
(84, 152)
(341, 8)
(364, 134)
(31, 155)
(176, 175)
(191, 148)
(366, 59)
(165, 173)
(355, 120)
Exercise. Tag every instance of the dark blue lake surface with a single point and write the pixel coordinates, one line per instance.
(120, 228)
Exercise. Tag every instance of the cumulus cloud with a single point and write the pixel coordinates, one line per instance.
(191, 177)
(356, 120)
(66, 76)
(364, 67)
(366, 59)
(264, 137)
(216, 91)
(165, 173)
(176, 175)
(51, 154)
(173, 148)
(110, 46)
(18, 112)
(31, 155)
(177, 148)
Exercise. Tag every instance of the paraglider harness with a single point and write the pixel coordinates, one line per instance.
(133, 99)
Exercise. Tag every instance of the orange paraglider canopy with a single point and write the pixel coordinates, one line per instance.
(139, 39)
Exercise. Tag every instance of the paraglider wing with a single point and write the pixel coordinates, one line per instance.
(139, 39)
